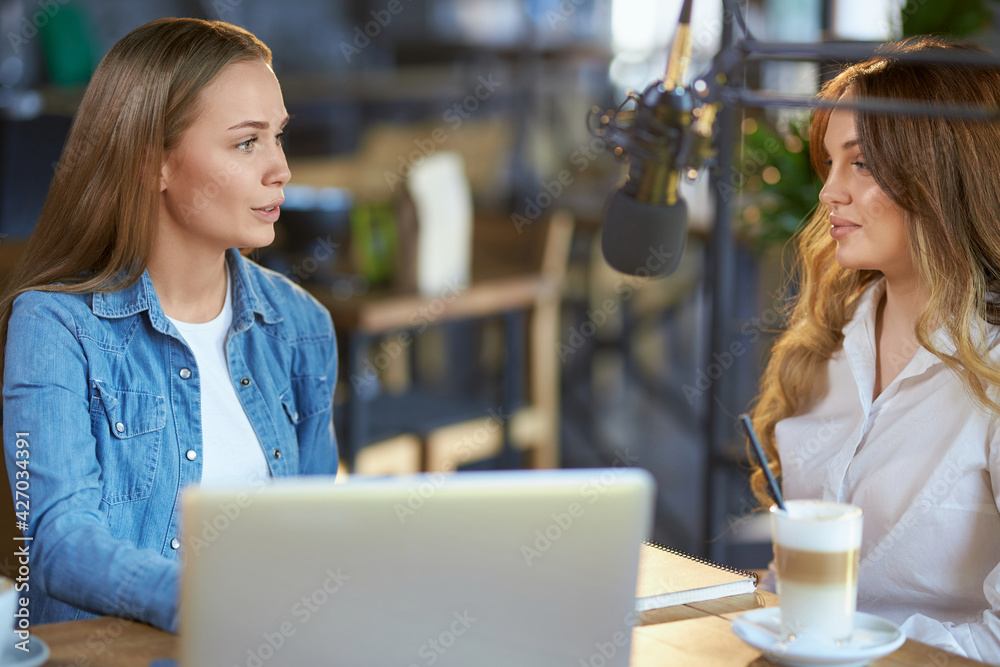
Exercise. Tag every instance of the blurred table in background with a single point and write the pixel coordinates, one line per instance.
(517, 278)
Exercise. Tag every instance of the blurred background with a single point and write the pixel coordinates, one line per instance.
(446, 203)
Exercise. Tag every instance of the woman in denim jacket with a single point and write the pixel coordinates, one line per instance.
(143, 352)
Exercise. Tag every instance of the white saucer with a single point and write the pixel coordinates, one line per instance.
(37, 654)
(873, 638)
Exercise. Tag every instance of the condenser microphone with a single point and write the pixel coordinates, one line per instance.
(645, 221)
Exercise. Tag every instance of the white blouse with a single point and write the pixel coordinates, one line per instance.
(923, 462)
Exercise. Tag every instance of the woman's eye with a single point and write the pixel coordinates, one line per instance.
(860, 165)
(247, 146)
(827, 162)
(279, 139)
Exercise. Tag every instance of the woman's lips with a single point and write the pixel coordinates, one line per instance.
(270, 214)
(839, 227)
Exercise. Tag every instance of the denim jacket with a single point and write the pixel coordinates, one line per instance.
(102, 394)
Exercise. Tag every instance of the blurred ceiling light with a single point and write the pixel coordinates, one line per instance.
(642, 31)
(495, 22)
(869, 20)
(634, 24)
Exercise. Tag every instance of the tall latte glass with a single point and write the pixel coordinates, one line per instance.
(817, 548)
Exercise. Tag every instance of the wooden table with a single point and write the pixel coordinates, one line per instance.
(700, 634)
(696, 634)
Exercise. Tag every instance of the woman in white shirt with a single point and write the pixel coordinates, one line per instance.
(882, 391)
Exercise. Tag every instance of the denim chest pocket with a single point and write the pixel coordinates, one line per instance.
(128, 426)
(305, 398)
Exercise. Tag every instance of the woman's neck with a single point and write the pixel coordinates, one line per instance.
(904, 301)
(191, 286)
(895, 329)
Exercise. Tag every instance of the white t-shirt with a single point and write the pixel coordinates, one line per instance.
(923, 462)
(231, 452)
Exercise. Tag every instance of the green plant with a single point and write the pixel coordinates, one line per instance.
(779, 186)
(956, 17)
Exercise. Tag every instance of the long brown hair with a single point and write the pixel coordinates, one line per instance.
(96, 228)
(940, 171)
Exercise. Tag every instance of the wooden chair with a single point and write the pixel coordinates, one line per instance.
(533, 430)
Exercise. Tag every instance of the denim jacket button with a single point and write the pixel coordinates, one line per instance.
(191, 455)
(175, 543)
(277, 453)
(245, 382)
(120, 427)
(185, 373)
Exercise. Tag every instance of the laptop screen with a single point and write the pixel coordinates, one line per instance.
(472, 568)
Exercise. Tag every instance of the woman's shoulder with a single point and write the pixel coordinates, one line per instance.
(52, 304)
(40, 319)
(294, 304)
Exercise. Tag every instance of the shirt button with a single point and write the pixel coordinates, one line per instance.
(120, 427)
(185, 373)
(175, 543)
(245, 382)
(277, 453)
(191, 455)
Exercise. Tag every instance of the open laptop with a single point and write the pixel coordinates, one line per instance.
(473, 568)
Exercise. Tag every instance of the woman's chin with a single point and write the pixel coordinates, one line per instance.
(851, 261)
(259, 240)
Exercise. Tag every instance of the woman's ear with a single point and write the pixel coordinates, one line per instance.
(166, 170)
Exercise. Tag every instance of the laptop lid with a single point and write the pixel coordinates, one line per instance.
(473, 568)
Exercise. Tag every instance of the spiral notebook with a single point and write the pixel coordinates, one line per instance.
(668, 578)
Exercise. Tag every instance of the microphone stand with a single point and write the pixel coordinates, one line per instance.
(721, 262)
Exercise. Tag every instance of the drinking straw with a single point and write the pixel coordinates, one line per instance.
(762, 459)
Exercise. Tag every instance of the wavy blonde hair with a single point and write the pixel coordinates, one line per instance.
(96, 228)
(941, 172)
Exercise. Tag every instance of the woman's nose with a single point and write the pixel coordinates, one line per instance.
(279, 174)
(834, 192)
